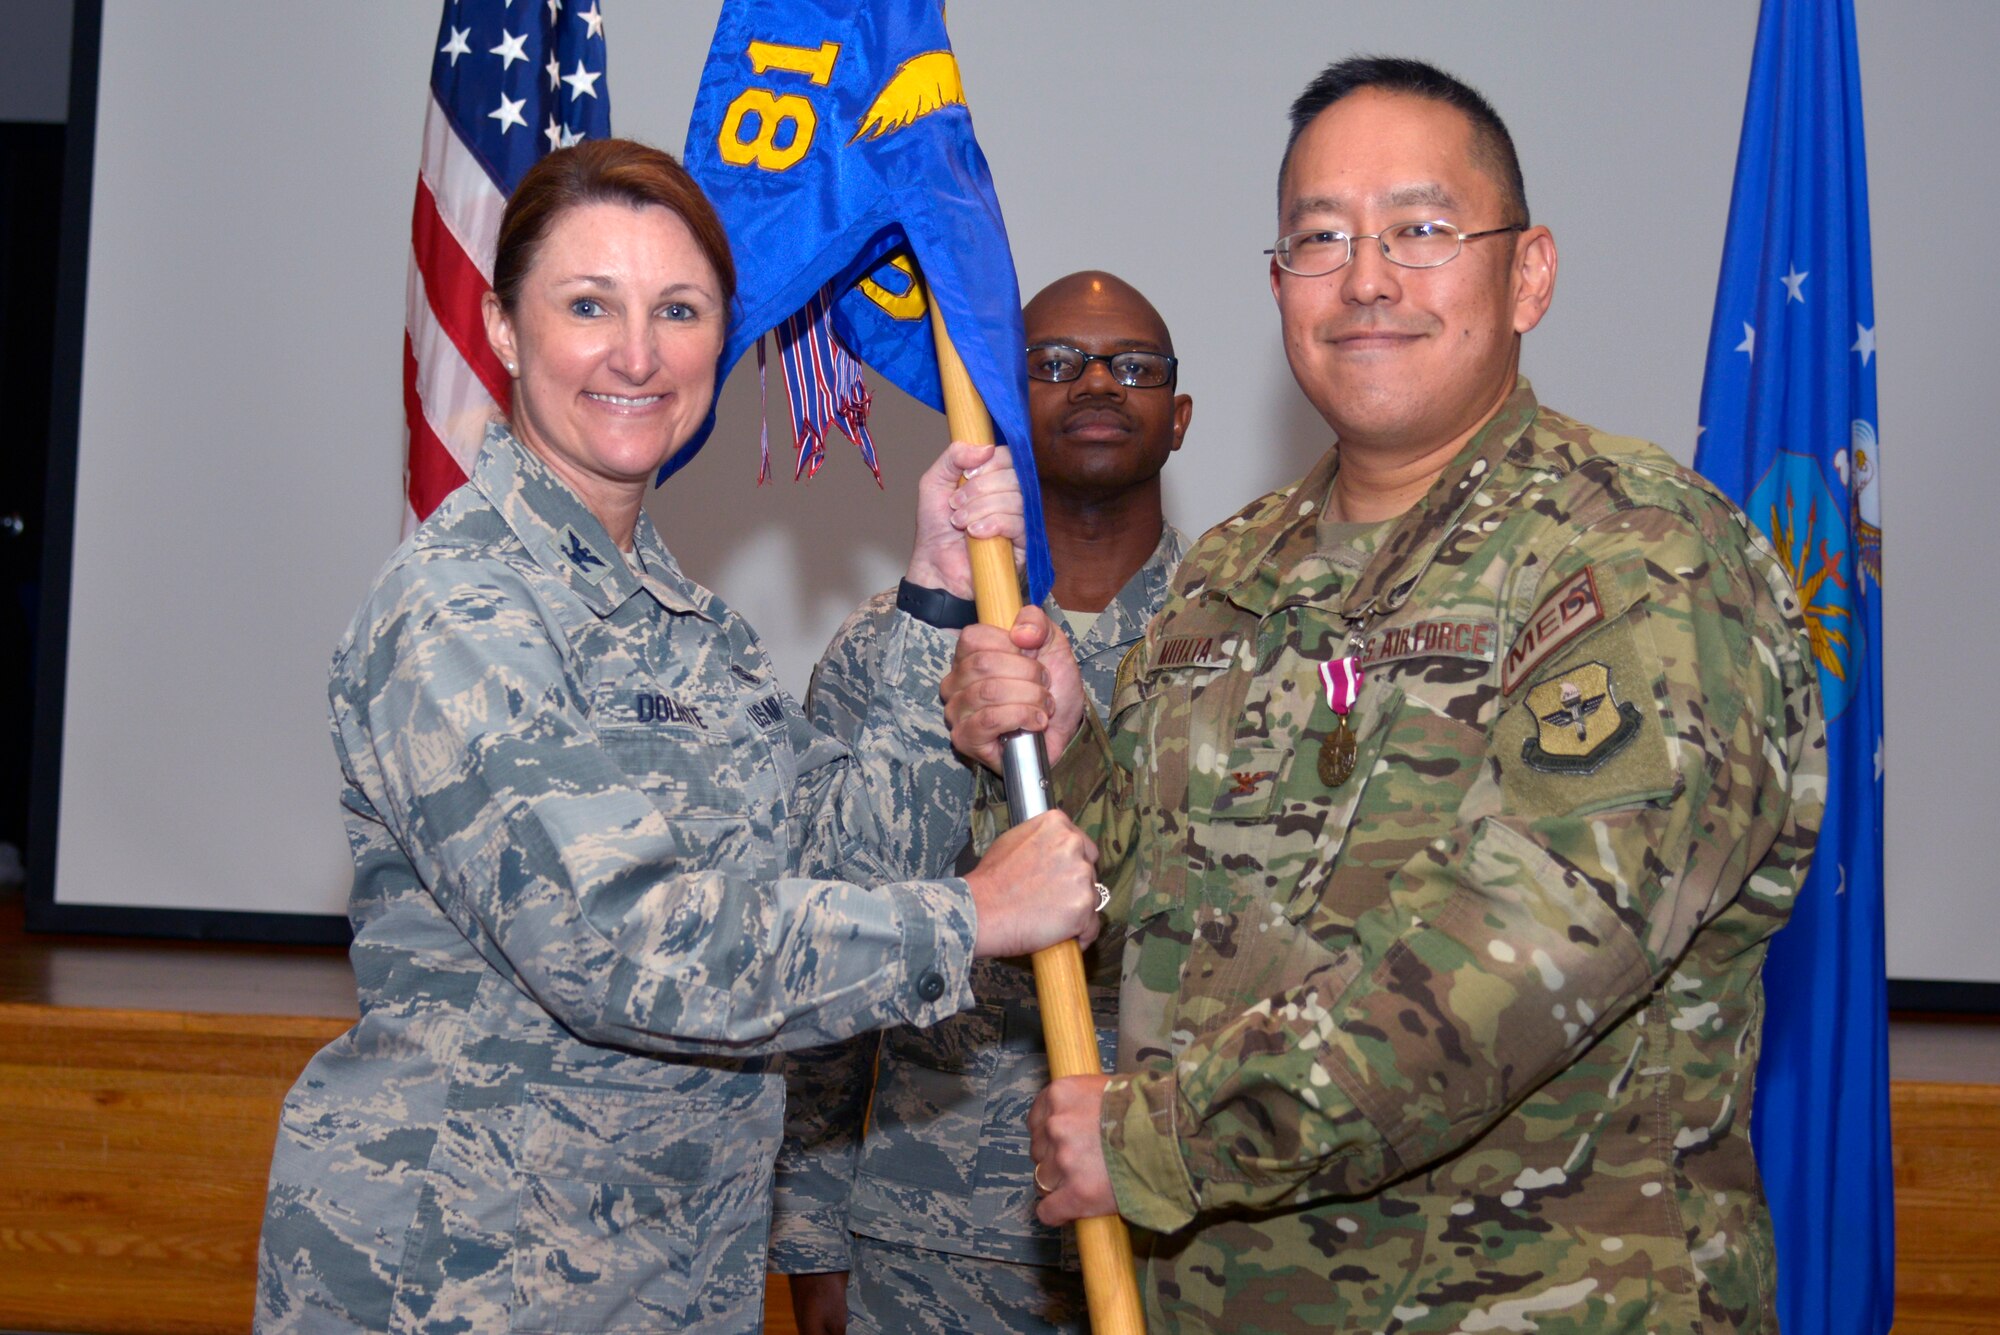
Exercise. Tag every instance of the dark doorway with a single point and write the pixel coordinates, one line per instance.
(31, 167)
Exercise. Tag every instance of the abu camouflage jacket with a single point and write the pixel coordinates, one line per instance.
(602, 862)
(945, 1163)
(1464, 1039)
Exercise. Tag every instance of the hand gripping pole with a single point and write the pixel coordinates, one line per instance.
(1110, 1284)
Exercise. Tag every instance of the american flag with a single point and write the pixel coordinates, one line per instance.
(511, 80)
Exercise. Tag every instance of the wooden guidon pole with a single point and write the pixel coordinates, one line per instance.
(1109, 1282)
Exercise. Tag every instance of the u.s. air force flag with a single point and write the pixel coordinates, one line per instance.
(1789, 431)
(834, 140)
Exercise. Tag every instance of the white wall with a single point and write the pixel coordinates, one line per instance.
(1932, 104)
(241, 434)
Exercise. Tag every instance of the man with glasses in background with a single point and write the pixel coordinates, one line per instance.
(1450, 804)
(940, 1196)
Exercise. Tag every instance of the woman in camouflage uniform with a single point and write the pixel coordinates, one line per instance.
(603, 864)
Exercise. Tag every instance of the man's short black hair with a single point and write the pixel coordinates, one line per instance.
(1492, 146)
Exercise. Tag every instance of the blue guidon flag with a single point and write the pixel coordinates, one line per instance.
(509, 82)
(1789, 431)
(834, 140)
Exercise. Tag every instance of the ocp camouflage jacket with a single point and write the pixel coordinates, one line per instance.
(1466, 1038)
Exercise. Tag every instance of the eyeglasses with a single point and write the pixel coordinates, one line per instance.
(1413, 245)
(1057, 363)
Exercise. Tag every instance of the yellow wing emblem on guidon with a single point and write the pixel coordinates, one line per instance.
(921, 85)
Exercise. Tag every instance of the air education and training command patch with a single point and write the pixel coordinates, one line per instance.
(1580, 722)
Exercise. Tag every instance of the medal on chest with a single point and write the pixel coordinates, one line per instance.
(1342, 679)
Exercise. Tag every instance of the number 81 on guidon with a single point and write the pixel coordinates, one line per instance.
(774, 109)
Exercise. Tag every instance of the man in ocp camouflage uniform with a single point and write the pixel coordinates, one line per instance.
(1441, 1013)
(940, 1195)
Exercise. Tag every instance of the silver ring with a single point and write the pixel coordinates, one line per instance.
(1103, 896)
(1041, 1186)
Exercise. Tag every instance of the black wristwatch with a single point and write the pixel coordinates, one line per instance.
(935, 607)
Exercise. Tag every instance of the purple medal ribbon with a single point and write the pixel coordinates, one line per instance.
(1343, 683)
(1338, 750)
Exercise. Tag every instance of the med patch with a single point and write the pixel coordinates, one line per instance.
(1565, 614)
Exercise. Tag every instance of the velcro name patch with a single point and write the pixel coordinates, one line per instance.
(653, 707)
(1565, 614)
(768, 712)
(1189, 651)
(1441, 637)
